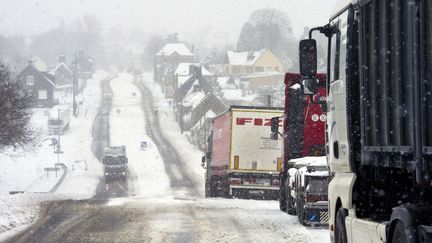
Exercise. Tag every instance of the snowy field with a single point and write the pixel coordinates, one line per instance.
(23, 170)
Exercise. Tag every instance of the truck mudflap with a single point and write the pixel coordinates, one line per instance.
(316, 214)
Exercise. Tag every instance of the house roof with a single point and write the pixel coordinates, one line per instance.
(170, 48)
(193, 98)
(232, 94)
(48, 77)
(188, 85)
(62, 64)
(40, 65)
(244, 58)
(183, 69)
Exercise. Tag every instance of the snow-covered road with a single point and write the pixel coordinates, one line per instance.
(164, 202)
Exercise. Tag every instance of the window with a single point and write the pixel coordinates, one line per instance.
(259, 69)
(236, 69)
(249, 69)
(338, 49)
(30, 92)
(30, 80)
(42, 94)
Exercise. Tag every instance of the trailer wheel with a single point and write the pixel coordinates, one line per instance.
(289, 206)
(209, 192)
(399, 235)
(282, 194)
(340, 230)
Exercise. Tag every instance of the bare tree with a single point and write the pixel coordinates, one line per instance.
(15, 111)
(270, 29)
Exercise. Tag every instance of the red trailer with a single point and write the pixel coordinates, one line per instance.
(304, 122)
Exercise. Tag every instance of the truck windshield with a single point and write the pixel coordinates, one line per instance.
(318, 185)
(114, 160)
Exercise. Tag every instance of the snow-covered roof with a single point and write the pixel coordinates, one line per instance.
(182, 79)
(244, 58)
(47, 77)
(170, 48)
(183, 69)
(320, 173)
(193, 98)
(40, 65)
(232, 94)
(62, 64)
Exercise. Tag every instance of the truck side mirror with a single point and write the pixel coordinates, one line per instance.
(310, 85)
(308, 57)
(274, 128)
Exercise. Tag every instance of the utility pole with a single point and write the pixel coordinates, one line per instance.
(74, 77)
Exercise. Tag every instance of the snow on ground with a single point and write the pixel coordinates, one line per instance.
(127, 117)
(23, 170)
(190, 154)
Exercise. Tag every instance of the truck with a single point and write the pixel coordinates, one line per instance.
(309, 191)
(302, 132)
(241, 160)
(379, 118)
(58, 119)
(115, 163)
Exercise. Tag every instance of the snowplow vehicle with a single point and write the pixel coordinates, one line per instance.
(115, 163)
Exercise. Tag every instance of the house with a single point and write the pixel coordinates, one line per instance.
(165, 63)
(252, 62)
(257, 68)
(84, 66)
(64, 77)
(194, 98)
(39, 84)
(184, 72)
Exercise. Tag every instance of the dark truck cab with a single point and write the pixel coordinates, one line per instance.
(311, 195)
(115, 163)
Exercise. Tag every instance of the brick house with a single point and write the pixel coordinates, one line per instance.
(39, 84)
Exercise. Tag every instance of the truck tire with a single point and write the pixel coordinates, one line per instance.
(209, 189)
(282, 194)
(399, 233)
(340, 227)
(290, 209)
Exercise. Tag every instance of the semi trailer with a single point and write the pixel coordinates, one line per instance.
(242, 159)
(379, 119)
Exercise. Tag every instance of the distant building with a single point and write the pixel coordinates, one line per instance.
(63, 74)
(258, 68)
(84, 66)
(166, 62)
(39, 84)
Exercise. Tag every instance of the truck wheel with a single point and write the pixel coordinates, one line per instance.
(208, 189)
(340, 228)
(290, 207)
(282, 205)
(399, 235)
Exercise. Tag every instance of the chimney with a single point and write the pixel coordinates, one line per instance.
(62, 58)
(197, 72)
(195, 88)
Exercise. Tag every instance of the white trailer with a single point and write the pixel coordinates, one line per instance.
(244, 160)
(58, 119)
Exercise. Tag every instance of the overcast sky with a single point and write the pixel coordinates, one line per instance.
(217, 21)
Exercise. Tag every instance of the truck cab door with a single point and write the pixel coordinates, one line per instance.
(338, 152)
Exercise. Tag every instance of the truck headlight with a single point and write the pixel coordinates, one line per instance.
(123, 173)
(106, 173)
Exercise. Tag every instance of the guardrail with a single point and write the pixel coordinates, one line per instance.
(59, 182)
